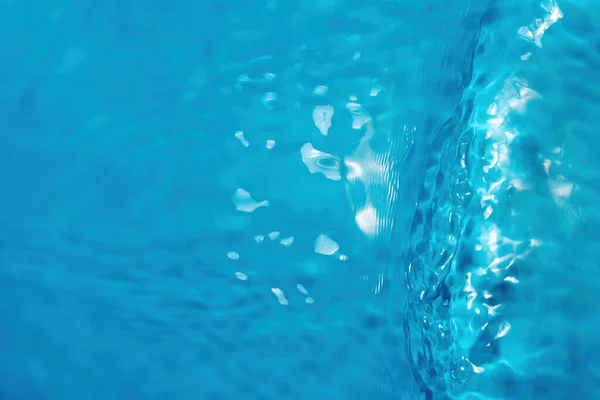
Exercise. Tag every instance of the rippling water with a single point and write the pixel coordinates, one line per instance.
(318, 199)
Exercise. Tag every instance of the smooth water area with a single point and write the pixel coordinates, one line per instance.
(313, 199)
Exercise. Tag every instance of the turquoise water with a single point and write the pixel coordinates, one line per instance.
(321, 199)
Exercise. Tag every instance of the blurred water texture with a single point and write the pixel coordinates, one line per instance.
(314, 199)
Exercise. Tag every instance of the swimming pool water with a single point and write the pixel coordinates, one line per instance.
(322, 199)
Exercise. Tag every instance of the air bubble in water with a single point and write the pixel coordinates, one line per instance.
(322, 118)
(320, 90)
(302, 289)
(287, 241)
(274, 235)
(240, 136)
(280, 296)
(324, 163)
(325, 246)
(241, 276)
(243, 201)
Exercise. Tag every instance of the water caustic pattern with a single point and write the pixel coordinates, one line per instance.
(318, 199)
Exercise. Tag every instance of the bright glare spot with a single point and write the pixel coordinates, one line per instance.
(366, 219)
(502, 330)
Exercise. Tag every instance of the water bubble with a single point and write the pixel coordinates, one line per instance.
(268, 99)
(274, 235)
(460, 370)
(302, 289)
(320, 90)
(245, 202)
(320, 162)
(526, 56)
(241, 276)
(327, 163)
(360, 117)
(280, 296)
(325, 246)
(287, 241)
(322, 118)
(240, 136)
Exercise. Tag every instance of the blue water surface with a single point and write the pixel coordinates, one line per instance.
(313, 199)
